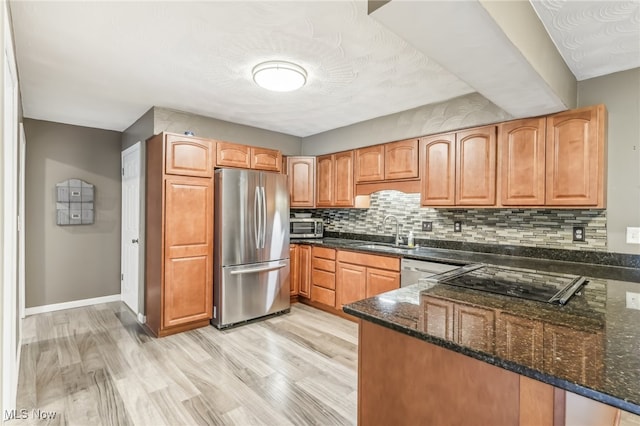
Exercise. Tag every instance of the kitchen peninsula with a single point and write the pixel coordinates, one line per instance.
(461, 356)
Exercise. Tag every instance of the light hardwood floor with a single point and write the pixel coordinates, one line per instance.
(97, 366)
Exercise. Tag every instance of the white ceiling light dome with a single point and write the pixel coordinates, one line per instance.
(279, 76)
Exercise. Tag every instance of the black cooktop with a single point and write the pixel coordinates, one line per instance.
(528, 284)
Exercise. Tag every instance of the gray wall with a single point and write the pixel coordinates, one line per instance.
(458, 113)
(178, 122)
(138, 131)
(66, 263)
(620, 92)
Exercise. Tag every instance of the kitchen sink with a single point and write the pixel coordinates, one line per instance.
(382, 247)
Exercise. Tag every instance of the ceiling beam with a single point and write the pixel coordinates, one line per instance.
(499, 48)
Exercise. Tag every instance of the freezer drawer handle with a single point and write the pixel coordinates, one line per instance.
(261, 269)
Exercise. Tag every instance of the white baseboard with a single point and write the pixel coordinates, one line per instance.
(72, 304)
(142, 319)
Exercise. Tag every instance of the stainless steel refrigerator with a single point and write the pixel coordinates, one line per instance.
(251, 250)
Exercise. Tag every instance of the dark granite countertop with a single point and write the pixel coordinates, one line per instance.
(597, 339)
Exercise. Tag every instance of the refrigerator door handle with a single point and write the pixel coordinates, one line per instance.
(264, 216)
(256, 216)
(260, 269)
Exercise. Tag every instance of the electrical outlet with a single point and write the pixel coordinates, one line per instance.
(457, 226)
(578, 233)
(633, 235)
(427, 226)
(633, 300)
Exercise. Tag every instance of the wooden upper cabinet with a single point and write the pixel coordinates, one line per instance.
(265, 159)
(247, 157)
(575, 168)
(521, 152)
(438, 164)
(369, 165)
(233, 155)
(343, 179)
(324, 180)
(401, 160)
(390, 161)
(302, 177)
(476, 167)
(188, 156)
(188, 276)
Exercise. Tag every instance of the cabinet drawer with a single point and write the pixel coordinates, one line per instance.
(322, 295)
(370, 260)
(325, 253)
(323, 279)
(324, 264)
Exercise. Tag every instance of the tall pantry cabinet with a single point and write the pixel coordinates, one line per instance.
(179, 233)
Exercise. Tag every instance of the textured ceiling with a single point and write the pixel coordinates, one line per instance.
(594, 37)
(104, 63)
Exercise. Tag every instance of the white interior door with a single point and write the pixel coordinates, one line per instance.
(130, 226)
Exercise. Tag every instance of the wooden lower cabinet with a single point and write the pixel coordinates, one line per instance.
(431, 385)
(323, 275)
(179, 246)
(359, 276)
(519, 339)
(294, 270)
(304, 273)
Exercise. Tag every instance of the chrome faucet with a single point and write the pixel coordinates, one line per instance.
(398, 237)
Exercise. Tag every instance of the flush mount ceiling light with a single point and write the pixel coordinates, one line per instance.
(279, 76)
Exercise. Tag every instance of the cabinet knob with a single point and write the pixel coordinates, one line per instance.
(135, 241)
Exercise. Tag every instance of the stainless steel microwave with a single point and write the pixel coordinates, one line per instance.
(307, 227)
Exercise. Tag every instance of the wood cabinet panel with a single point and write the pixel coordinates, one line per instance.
(519, 339)
(324, 180)
(436, 317)
(323, 279)
(372, 260)
(351, 281)
(380, 281)
(401, 160)
(294, 268)
(575, 165)
(323, 264)
(265, 159)
(323, 295)
(188, 156)
(476, 167)
(188, 243)
(438, 168)
(343, 179)
(369, 164)
(233, 155)
(522, 162)
(474, 327)
(324, 253)
(304, 259)
(302, 177)
(572, 354)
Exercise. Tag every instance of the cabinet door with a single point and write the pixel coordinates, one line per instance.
(522, 162)
(265, 159)
(572, 354)
(438, 164)
(351, 283)
(343, 179)
(476, 167)
(436, 317)
(575, 157)
(188, 279)
(304, 262)
(519, 339)
(294, 268)
(369, 164)
(401, 160)
(324, 181)
(380, 281)
(302, 176)
(188, 156)
(233, 155)
(474, 327)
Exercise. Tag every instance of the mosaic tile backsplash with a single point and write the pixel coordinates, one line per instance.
(546, 228)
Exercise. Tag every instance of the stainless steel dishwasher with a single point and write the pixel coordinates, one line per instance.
(413, 270)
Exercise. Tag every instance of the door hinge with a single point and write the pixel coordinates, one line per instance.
(215, 311)
(121, 277)
(123, 171)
